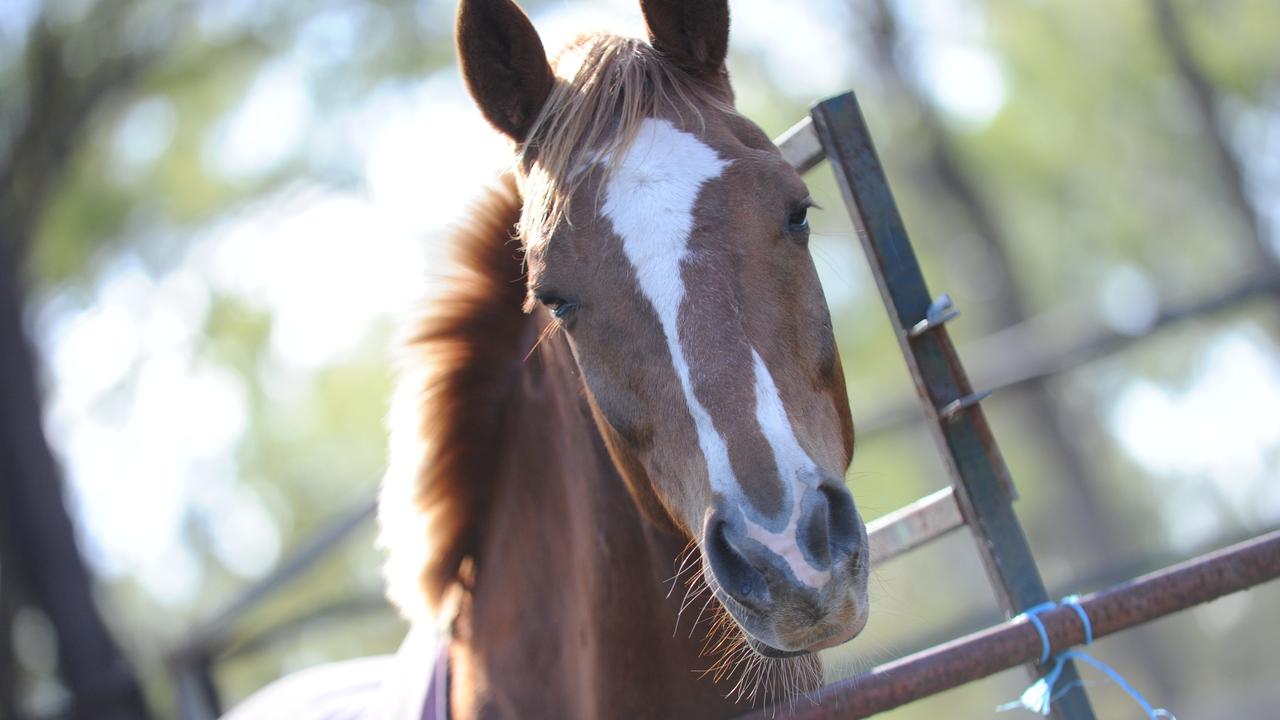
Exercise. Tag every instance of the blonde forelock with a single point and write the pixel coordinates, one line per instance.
(606, 86)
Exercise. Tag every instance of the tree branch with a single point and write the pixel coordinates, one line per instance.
(1204, 99)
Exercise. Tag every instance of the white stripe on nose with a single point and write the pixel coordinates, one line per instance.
(794, 465)
(649, 201)
(796, 470)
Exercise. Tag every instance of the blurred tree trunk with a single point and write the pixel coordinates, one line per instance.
(8, 609)
(35, 522)
(1083, 518)
(57, 108)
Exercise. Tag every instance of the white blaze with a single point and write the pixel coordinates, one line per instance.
(649, 200)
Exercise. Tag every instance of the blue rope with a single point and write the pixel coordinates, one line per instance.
(1040, 696)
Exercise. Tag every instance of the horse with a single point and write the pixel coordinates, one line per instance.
(619, 441)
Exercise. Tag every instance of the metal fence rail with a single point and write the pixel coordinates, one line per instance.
(990, 651)
(192, 662)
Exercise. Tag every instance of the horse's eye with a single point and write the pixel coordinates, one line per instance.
(556, 304)
(798, 221)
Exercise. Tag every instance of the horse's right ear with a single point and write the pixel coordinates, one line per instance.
(693, 33)
(503, 64)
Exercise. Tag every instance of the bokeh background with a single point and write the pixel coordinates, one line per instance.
(213, 213)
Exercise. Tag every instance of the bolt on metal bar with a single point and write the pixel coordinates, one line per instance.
(1010, 644)
(983, 488)
(940, 311)
(951, 410)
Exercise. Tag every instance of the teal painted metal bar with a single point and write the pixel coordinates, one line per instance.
(983, 487)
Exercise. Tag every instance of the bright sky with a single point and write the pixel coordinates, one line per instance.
(331, 263)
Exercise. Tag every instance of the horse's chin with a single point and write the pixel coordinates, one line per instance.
(770, 651)
(764, 649)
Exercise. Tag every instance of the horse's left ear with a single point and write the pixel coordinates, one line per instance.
(693, 33)
(503, 64)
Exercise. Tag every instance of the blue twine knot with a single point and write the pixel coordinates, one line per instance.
(1041, 694)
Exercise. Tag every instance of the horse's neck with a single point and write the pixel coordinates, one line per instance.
(568, 615)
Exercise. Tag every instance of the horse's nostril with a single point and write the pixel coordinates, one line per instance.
(730, 567)
(815, 531)
(843, 531)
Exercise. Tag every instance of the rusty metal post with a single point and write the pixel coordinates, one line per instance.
(983, 488)
(990, 651)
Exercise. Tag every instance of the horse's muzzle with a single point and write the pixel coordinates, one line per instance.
(800, 586)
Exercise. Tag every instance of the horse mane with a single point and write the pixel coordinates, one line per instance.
(466, 350)
(456, 373)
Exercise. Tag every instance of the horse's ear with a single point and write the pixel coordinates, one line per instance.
(693, 33)
(503, 64)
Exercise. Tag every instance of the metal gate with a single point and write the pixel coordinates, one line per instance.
(982, 492)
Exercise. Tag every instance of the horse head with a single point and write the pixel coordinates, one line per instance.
(669, 239)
